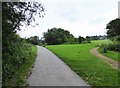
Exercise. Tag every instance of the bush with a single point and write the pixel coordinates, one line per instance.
(115, 46)
(15, 54)
(116, 38)
(86, 41)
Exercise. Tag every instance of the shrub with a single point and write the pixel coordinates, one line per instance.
(115, 46)
(15, 54)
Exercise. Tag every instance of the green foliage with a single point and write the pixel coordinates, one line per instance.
(113, 28)
(34, 40)
(15, 51)
(114, 46)
(92, 69)
(15, 13)
(116, 38)
(19, 78)
(58, 36)
(80, 39)
(113, 33)
(100, 37)
(15, 54)
(88, 39)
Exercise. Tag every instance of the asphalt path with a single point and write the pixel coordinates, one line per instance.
(49, 70)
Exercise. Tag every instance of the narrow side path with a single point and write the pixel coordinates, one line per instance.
(49, 70)
(111, 62)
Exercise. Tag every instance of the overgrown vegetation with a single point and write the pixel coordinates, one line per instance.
(92, 69)
(17, 54)
(113, 46)
(113, 33)
(20, 66)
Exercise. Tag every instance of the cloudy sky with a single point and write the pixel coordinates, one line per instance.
(80, 17)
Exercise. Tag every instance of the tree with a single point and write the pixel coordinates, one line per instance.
(113, 28)
(76, 40)
(95, 37)
(58, 36)
(88, 38)
(113, 33)
(14, 49)
(15, 13)
(34, 40)
(80, 39)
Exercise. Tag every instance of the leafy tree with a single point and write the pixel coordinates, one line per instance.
(14, 49)
(76, 40)
(80, 39)
(58, 36)
(34, 40)
(88, 39)
(15, 13)
(113, 28)
(113, 33)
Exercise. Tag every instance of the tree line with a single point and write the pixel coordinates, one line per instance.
(59, 36)
(56, 36)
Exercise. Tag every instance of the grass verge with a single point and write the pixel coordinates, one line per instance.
(90, 68)
(111, 54)
(19, 78)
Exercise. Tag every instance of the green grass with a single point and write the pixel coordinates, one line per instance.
(99, 42)
(20, 75)
(92, 69)
(111, 54)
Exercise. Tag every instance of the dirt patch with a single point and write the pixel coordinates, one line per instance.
(111, 62)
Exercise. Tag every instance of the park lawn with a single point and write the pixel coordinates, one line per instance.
(19, 78)
(106, 41)
(111, 54)
(90, 68)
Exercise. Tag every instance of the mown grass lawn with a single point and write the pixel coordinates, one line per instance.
(92, 69)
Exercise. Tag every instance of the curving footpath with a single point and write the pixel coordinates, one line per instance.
(111, 62)
(49, 70)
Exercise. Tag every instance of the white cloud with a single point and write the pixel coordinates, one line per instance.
(82, 28)
(80, 17)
